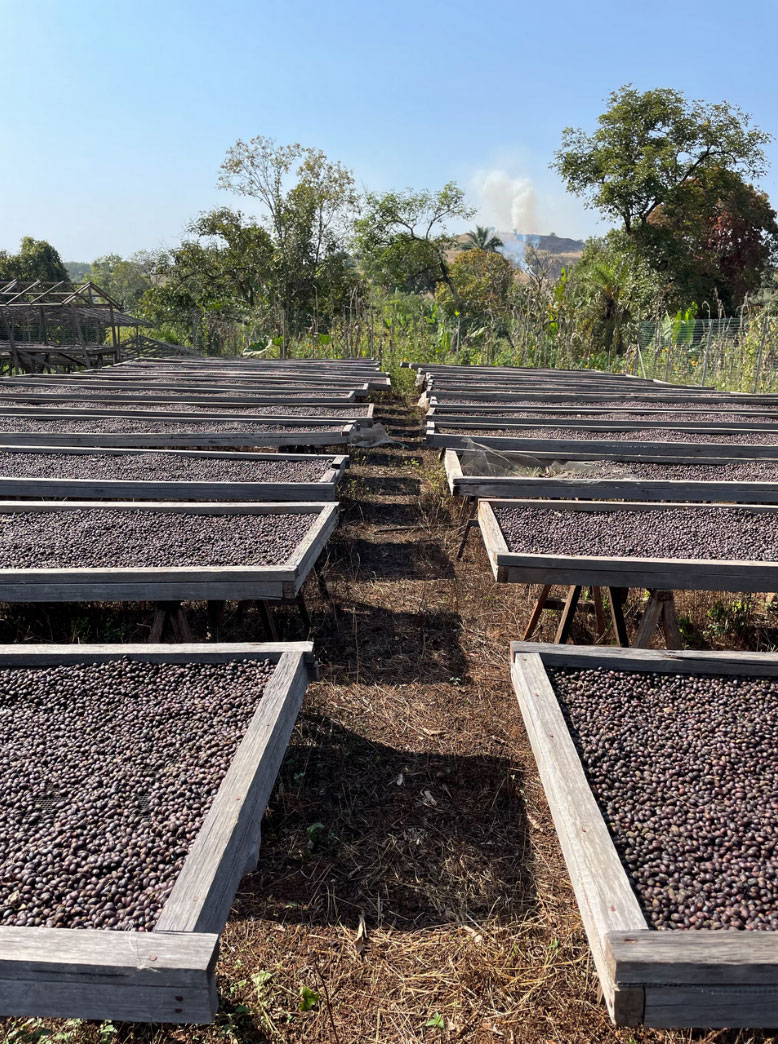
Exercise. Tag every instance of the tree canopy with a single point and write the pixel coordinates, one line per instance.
(404, 238)
(36, 259)
(649, 145)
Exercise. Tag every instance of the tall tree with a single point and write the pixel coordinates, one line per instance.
(124, 279)
(649, 145)
(719, 239)
(36, 259)
(308, 205)
(485, 281)
(403, 238)
(218, 277)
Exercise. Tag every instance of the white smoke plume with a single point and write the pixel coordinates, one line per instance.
(504, 203)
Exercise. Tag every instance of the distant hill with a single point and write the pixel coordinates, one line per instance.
(516, 243)
(77, 270)
(558, 251)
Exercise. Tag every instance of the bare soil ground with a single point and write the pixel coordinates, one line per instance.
(410, 885)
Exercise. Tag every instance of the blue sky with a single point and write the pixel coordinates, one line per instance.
(115, 117)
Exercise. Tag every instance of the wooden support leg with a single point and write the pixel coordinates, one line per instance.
(468, 526)
(650, 621)
(180, 622)
(537, 612)
(215, 619)
(304, 615)
(158, 625)
(566, 619)
(268, 623)
(172, 613)
(599, 612)
(252, 857)
(323, 589)
(670, 621)
(617, 598)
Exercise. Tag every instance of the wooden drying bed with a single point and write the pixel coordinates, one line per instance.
(171, 396)
(171, 583)
(579, 486)
(668, 573)
(167, 974)
(605, 449)
(519, 425)
(322, 490)
(706, 416)
(559, 397)
(165, 440)
(670, 978)
(55, 412)
(660, 576)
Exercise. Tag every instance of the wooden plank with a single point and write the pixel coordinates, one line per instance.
(320, 490)
(694, 957)
(676, 574)
(520, 486)
(602, 890)
(453, 468)
(94, 974)
(684, 661)
(604, 449)
(710, 1007)
(202, 895)
(54, 413)
(493, 538)
(519, 424)
(160, 440)
(50, 655)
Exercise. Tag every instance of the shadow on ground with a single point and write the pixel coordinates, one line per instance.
(380, 645)
(412, 839)
(363, 559)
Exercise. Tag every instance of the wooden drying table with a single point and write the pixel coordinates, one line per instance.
(660, 576)
(670, 978)
(167, 974)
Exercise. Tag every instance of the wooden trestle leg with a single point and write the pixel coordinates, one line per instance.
(215, 619)
(172, 612)
(469, 524)
(617, 597)
(660, 609)
(537, 612)
(568, 612)
(303, 609)
(268, 623)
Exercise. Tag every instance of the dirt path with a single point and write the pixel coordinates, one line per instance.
(409, 803)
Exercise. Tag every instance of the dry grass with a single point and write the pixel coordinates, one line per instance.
(410, 876)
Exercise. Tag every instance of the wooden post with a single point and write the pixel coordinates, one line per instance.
(566, 620)
(215, 619)
(616, 598)
(537, 612)
(761, 352)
